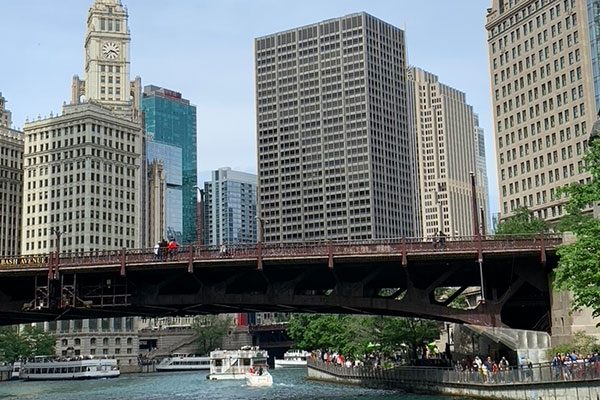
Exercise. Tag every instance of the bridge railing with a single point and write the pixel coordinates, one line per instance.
(294, 249)
(537, 373)
(104, 257)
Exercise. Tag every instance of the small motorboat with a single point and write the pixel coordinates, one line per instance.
(259, 378)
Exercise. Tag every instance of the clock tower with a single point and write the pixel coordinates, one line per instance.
(106, 79)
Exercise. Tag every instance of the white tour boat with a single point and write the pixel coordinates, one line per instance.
(16, 370)
(234, 364)
(184, 362)
(48, 368)
(259, 378)
(293, 359)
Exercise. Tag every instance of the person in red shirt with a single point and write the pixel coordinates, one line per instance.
(172, 249)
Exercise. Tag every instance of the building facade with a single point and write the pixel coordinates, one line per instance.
(157, 218)
(98, 337)
(11, 183)
(335, 156)
(171, 121)
(230, 208)
(545, 79)
(83, 169)
(450, 146)
(545, 94)
(170, 158)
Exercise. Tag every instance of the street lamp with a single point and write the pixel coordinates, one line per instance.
(58, 235)
(200, 217)
(260, 227)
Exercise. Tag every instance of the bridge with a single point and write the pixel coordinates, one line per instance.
(395, 277)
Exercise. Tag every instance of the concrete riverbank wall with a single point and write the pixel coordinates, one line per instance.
(5, 372)
(526, 386)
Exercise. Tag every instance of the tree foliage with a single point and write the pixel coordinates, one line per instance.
(355, 335)
(579, 265)
(581, 343)
(522, 222)
(209, 330)
(29, 342)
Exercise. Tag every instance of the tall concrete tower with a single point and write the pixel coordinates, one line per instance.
(83, 187)
(449, 148)
(335, 155)
(11, 183)
(545, 78)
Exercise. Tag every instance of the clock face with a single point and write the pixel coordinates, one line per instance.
(110, 50)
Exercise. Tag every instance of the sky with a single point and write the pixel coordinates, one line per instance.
(204, 49)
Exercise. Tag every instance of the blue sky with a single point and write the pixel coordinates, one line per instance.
(204, 49)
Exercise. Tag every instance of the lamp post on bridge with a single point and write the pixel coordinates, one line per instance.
(477, 233)
(58, 234)
(260, 222)
(200, 216)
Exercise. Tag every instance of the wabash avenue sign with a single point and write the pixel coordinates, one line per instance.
(33, 261)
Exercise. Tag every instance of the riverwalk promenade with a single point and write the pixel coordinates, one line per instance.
(578, 381)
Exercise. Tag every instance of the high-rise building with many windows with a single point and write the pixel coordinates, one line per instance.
(11, 183)
(335, 154)
(450, 146)
(171, 136)
(545, 79)
(230, 208)
(83, 168)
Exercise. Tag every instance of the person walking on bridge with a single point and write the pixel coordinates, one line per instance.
(172, 249)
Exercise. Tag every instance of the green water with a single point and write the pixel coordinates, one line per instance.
(287, 384)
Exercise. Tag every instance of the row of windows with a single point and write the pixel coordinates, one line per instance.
(94, 341)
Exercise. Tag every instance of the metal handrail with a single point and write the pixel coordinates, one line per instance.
(392, 246)
(581, 370)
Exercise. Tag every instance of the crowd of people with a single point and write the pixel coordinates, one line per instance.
(164, 250)
(567, 366)
(571, 366)
(487, 370)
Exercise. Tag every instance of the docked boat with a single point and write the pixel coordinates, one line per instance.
(184, 362)
(259, 378)
(234, 364)
(293, 359)
(48, 368)
(16, 370)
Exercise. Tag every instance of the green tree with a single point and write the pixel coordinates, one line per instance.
(581, 343)
(410, 331)
(40, 343)
(356, 335)
(12, 345)
(30, 342)
(579, 264)
(327, 332)
(209, 331)
(522, 222)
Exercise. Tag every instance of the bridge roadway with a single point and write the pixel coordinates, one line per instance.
(378, 277)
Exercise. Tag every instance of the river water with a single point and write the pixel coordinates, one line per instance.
(287, 384)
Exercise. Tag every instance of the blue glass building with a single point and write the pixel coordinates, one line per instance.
(171, 136)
